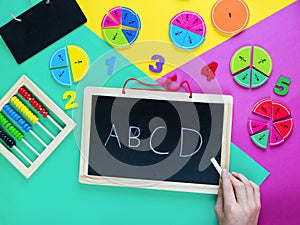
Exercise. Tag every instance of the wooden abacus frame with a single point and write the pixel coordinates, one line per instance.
(69, 125)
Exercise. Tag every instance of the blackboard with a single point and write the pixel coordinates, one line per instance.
(154, 139)
(41, 25)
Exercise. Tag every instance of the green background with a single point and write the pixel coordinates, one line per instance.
(53, 194)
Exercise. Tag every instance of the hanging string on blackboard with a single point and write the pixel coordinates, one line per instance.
(174, 78)
(20, 20)
(159, 85)
(15, 18)
(140, 82)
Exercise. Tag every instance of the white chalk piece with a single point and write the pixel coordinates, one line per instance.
(216, 165)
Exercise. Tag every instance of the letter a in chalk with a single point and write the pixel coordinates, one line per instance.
(134, 137)
(181, 144)
(115, 135)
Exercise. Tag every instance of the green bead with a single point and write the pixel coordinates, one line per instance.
(19, 137)
(4, 122)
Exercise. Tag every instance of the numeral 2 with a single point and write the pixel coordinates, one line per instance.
(70, 104)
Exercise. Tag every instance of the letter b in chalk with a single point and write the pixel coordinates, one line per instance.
(134, 138)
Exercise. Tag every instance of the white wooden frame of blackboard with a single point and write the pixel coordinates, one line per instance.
(85, 178)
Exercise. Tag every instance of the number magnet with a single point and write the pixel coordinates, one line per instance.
(158, 65)
(209, 70)
(282, 86)
(110, 63)
(70, 104)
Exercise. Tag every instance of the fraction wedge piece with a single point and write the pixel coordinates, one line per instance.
(116, 14)
(130, 18)
(115, 37)
(131, 35)
(258, 79)
(79, 62)
(62, 76)
(280, 111)
(109, 22)
(261, 139)
(284, 127)
(243, 78)
(241, 59)
(262, 60)
(197, 20)
(191, 19)
(177, 35)
(275, 137)
(178, 21)
(263, 107)
(192, 41)
(59, 59)
(255, 126)
(199, 29)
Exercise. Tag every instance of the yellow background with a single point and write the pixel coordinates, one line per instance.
(155, 16)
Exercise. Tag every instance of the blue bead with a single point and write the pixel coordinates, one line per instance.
(28, 129)
(25, 126)
(21, 122)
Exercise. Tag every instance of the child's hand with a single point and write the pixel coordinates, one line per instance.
(238, 200)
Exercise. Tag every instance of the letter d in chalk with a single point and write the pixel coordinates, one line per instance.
(181, 144)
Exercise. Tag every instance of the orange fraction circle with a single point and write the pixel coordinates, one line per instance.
(230, 16)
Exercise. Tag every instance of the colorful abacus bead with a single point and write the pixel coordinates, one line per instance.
(16, 117)
(24, 109)
(42, 110)
(35, 103)
(10, 127)
(45, 114)
(7, 139)
(22, 91)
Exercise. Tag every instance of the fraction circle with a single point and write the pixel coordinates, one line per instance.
(251, 66)
(230, 16)
(187, 30)
(69, 63)
(262, 134)
(121, 26)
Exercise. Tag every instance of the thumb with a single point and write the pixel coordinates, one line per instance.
(219, 208)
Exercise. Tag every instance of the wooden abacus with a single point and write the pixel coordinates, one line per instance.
(17, 118)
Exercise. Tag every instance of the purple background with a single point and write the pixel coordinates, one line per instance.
(279, 34)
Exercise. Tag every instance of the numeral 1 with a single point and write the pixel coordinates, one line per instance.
(111, 63)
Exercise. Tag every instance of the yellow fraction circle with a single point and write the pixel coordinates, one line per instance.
(79, 62)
